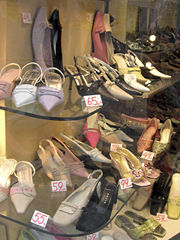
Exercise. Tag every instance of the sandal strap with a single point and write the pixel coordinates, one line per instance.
(4, 86)
(28, 191)
(4, 190)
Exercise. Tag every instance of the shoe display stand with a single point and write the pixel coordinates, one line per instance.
(23, 128)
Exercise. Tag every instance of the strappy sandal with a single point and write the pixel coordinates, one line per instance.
(151, 223)
(71, 208)
(23, 192)
(141, 232)
(52, 94)
(26, 92)
(72, 162)
(53, 162)
(8, 75)
(7, 168)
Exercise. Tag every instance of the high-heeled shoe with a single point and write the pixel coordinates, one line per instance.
(8, 75)
(91, 130)
(26, 92)
(111, 87)
(121, 164)
(148, 169)
(23, 192)
(52, 162)
(6, 169)
(93, 153)
(72, 162)
(52, 94)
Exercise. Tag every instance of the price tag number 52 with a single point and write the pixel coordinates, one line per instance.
(39, 218)
(93, 236)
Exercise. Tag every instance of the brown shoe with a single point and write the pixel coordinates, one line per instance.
(145, 141)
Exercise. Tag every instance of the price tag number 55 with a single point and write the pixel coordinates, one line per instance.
(39, 218)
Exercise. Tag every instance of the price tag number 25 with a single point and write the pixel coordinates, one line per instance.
(39, 218)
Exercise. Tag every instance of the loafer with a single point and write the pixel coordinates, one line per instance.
(71, 208)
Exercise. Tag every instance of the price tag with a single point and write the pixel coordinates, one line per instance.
(147, 155)
(114, 146)
(161, 217)
(91, 101)
(26, 16)
(94, 236)
(39, 218)
(125, 183)
(129, 77)
(58, 186)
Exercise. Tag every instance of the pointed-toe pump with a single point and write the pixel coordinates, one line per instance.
(93, 153)
(26, 92)
(52, 94)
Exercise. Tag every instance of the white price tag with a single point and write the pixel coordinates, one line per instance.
(114, 146)
(91, 101)
(39, 218)
(129, 77)
(147, 155)
(58, 186)
(94, 236)
(26, 16)
(125, 183)
(161, 217)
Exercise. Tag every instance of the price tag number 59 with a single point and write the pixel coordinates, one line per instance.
(58, 186)
(39, 218)
(161, 217)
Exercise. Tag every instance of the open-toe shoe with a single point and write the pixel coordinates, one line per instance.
(26, 92)
(8, 75)
(53, 162)
(71, 208)
(151, 223)
(23, 192)
(6, 169)
(136, 175)
(72, 162)
(141, 232)
(52, 93)
(93, 153)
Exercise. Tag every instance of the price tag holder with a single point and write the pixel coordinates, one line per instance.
(39, 218)
(91, 102)
(26, 17)
(94, 236)
(125, 183)
(114, 146)
(147, 155)
(58, 186)
(129, 77)
(161, 217)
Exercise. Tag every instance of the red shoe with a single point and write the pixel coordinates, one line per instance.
(91, 130)
(145, 141)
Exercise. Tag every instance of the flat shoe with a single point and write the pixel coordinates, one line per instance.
(71, 208)
(23, 192)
